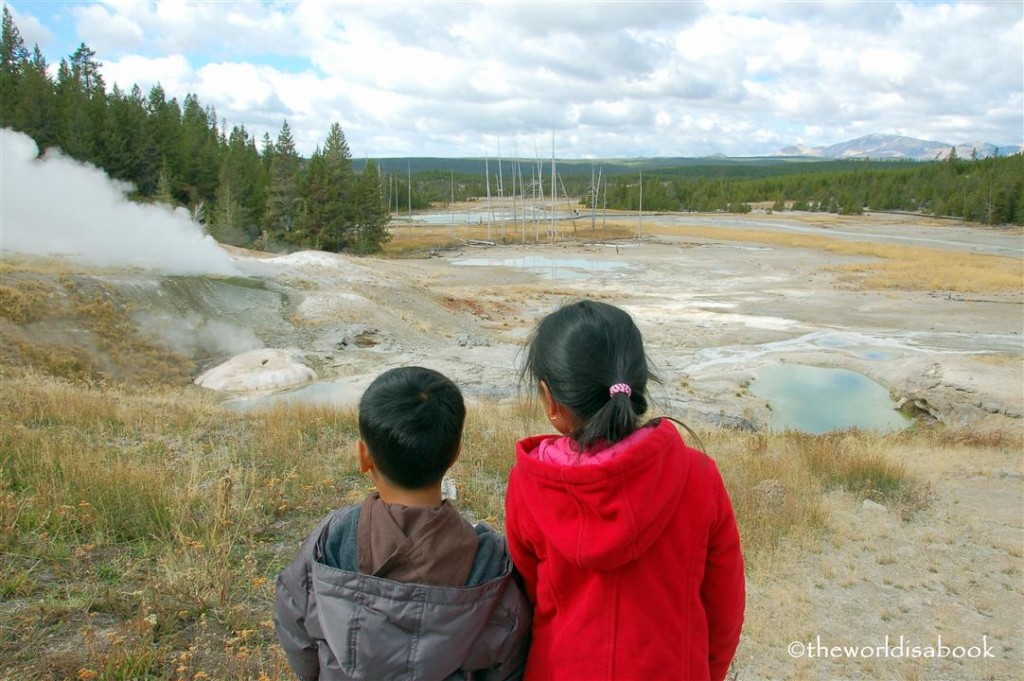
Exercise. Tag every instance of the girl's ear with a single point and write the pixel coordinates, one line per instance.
(550, 406)
(560, 416)
(365, 462)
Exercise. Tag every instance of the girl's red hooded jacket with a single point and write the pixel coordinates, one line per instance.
(633, 564)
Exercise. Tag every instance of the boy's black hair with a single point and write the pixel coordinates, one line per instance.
(411, 420)
(580, 351)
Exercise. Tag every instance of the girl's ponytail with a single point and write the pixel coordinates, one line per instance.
(614, 421)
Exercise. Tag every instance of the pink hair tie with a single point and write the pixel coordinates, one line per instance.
(619, 388)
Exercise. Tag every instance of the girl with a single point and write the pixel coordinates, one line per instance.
(624, 535)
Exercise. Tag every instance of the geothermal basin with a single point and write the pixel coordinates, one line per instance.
(719, 318)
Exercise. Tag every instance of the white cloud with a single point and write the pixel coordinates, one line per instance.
(32, 31)
(240, 86)
(109, 32)
(887, 66)
(173, 73)
(619, 78)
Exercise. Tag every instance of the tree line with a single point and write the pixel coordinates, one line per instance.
(986, 190)
(173, 152)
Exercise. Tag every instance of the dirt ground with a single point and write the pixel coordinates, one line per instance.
(940, 597)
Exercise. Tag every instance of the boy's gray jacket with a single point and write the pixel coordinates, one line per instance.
(335, 623)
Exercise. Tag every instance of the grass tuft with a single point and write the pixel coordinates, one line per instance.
(857, 462)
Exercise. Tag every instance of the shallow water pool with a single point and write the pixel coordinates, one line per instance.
(817, 400)
(553, 268)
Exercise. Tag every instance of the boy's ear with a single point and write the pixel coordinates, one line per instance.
(365, 462)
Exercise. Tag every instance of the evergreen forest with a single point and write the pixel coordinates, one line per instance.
(984, 190)
(263, 194)
(244, 192)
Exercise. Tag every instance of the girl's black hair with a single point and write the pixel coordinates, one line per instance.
(580, 351)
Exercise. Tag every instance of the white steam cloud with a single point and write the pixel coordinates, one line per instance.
(55, 205)
(194, 335)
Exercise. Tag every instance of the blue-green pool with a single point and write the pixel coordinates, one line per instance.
(552, 268)
(817, 400)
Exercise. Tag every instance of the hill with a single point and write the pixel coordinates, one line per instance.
(899, 147)
(876, 146)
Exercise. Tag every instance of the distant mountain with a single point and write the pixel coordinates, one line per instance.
(898, 147)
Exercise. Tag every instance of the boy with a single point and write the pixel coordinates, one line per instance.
(401, 585)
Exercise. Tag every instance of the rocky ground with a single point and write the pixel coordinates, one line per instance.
(713, 313)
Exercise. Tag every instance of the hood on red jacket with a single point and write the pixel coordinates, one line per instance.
(602, 516)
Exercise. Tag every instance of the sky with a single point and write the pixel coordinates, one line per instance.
(592, 79)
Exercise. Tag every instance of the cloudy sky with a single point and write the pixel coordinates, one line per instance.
(608, 79)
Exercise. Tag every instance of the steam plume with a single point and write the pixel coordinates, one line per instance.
(56, 205)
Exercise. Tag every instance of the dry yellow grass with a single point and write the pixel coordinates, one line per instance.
(136, 526)
(938, 271)
(108, 344)
(139, 526)
(49, 265)
(407, 240)
(893, 266)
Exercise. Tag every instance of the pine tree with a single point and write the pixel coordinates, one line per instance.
(316, 204)
(267, 152)
(283, 190)
(239, 196)
(128, 152)
(200, 151)
(13, 56)
(226, 221)
(328, 194)
(165, 188)
(257, 202)
(164, 129)
(35, 107)
(372, 214)
(81, 106)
